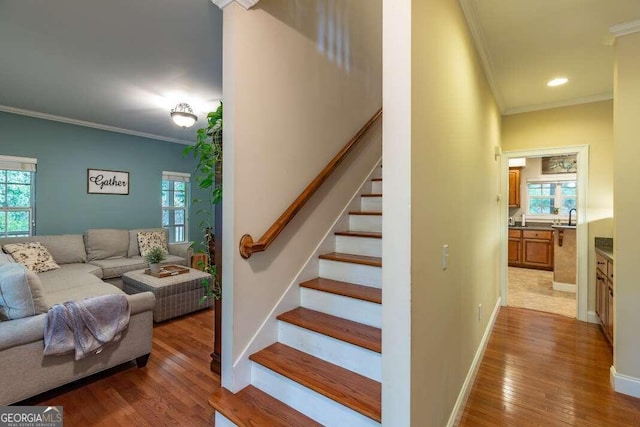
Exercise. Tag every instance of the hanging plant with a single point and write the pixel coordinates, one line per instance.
(208, 172)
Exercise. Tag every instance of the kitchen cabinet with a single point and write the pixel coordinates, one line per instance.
(531, 249)
(537, 249)
(605, 294)
(514, 187)
(515, 247)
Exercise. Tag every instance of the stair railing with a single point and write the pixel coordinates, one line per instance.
(248, 246)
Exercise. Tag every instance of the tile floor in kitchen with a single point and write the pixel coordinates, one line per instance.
(533, 289)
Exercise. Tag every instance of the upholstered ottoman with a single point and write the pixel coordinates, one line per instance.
(175, 295)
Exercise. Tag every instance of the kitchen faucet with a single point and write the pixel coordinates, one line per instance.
(570, 215)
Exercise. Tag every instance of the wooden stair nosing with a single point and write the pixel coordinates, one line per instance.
(370, 213)
(371, 195)
(252, 407)
(372, 261)
(352, 390)
(355, 333)
(351, 290)
(369, 234)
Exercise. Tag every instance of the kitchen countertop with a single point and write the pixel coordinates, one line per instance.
(604, 246)
(607, 251)
(542, 227)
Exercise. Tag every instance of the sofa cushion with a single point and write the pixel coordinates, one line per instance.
(70, 275)
(65, 248)
(117, 267)
(105, 243)
(21, 293)
(80, 292)
(134, 248)
(32, 255)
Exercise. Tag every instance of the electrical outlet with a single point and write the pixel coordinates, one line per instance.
(479, 312)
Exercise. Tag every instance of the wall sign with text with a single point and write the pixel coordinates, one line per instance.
(107, 182)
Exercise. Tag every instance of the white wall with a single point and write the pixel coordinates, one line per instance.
(627, 208)
(300, 79)
(448, 195)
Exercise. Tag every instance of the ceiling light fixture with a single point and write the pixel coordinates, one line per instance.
(557, 82)
(183, 115)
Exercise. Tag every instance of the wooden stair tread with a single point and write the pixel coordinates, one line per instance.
(371, 195)
(252, 407)
(376, 179)
(355, 333)
(365, 213)
(352, 390)
(371, 234)
(351, 290)
(353, 259)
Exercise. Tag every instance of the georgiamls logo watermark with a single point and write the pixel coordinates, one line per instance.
(31, 416)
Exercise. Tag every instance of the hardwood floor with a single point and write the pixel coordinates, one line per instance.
(172, 390)
(544, 369)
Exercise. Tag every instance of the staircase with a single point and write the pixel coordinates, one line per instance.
(325, 368)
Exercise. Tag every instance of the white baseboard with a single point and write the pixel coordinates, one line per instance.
(471, 374)
(565, 287)
(624, 384)
(592, 317)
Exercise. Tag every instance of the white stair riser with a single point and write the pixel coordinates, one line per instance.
(359, 245)
(312, 404)
(368, 313)
(365, 223)
(357, 359)
(352, 273)
(376, 187)
(371, 204)
(222, 421)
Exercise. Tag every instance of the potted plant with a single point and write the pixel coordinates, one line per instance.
(208, 173)
(154, 257)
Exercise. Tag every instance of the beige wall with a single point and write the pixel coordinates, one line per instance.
(294, 95)
(585, 124)
(627, 206)
(455, 180)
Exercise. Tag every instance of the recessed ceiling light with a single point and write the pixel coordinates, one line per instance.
(557, 82)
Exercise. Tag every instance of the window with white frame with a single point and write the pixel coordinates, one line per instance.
(17, 196)
(175, 205)
(546, 196)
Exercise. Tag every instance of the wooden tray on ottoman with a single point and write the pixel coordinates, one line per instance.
(168, 270)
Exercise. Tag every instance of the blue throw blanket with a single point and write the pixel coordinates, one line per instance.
(85, 326)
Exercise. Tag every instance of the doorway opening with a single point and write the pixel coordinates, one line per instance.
(543, 257)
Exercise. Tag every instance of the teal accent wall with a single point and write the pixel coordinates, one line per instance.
(64, 154)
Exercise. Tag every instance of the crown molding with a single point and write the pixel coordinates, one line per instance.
(558, 104)
(247, 4)
(45, 116)
(625, 28)
(473, 22)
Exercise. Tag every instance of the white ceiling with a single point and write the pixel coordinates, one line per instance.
(525, 43)
(115, 64)
(122, 65)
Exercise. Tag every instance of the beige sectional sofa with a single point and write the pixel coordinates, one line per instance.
(85, 263)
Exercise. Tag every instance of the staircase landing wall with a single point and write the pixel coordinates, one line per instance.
(299, 81)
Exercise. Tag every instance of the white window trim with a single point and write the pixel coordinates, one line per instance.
(545, 180)
(179, 177)
(18, 163)
(25, 164)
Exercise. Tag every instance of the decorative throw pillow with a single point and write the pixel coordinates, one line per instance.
(148, 240)
(21, 293)
(32, 255)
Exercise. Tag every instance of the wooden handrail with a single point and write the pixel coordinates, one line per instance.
(248, 246)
